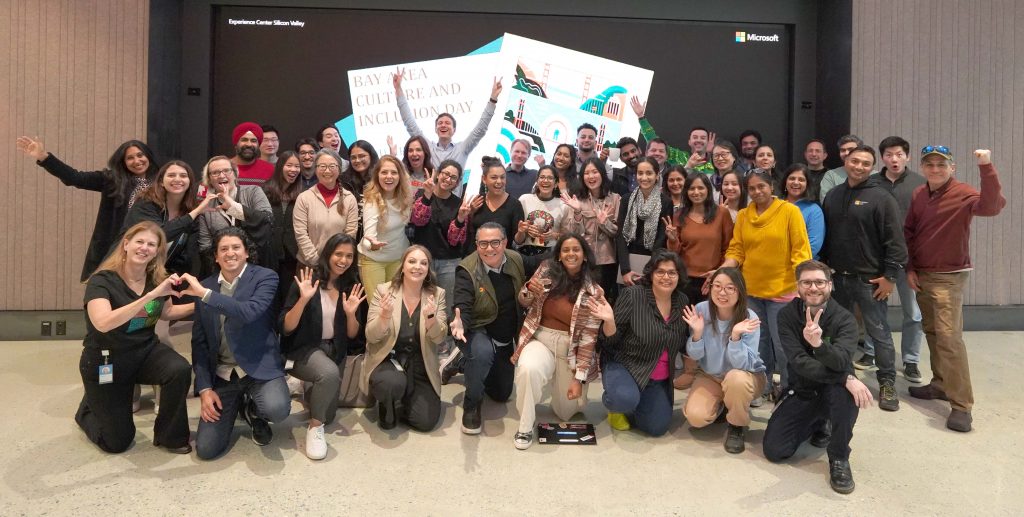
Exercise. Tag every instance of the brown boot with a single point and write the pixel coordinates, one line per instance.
(685, 379)
(927, 392)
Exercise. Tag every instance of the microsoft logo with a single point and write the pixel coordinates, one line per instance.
(744, 37)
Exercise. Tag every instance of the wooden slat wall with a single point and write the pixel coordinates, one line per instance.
(951, 72)
(74, 73)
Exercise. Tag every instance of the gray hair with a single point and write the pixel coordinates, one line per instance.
(492, 226)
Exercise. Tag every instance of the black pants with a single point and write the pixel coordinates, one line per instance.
(797, 417)
(609, 281)
(489, 370)
(407, 393)
(105, 413)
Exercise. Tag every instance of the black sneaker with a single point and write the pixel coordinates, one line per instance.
(261, 433)
(386, 420)
(887, 398)
(840, 476)
(471, 420)
(912, 373)
(451, 365)
(866, 362)
(734, 439)
(822, 436)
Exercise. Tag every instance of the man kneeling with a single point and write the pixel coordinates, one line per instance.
(819, 337)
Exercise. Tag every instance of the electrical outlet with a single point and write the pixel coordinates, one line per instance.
(62, 328)
(44, 330)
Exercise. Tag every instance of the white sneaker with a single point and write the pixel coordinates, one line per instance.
(295, 385)
(316, 445)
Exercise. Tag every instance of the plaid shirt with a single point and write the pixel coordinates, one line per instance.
(582, 331)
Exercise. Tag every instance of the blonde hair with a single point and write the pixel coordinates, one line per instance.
(403, 192)
(155, 272)
(206, 170)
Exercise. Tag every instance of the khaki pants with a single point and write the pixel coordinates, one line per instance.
(736, 390)
(544, 357)
(942, 316)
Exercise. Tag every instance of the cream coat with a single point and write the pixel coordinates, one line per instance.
(315, 222)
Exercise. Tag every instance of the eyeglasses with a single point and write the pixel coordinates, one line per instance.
(721, 156)
(941, 149)
(727, 289)
(219, 172)
(665, 273)
(324, 167)
(496, 243)
(449, 177)
(807, 284)
(307, 153)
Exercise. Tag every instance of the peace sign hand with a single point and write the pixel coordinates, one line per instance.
(812, 331)
(396, 81)
(671, 231)
(350, 301)
(429, 182)
(465, 209)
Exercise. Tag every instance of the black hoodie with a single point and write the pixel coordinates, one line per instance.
(809, 367)
(863, 230)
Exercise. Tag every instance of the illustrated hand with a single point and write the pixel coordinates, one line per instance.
(812, 331)
(695, 320)
(210, 405)
(984, 156)
(861, 394)
(307, 288)
(571, 201)
(885, 287)
(350, 301)
(32, 147)
(638, 108)
(456, 326)
(575, 390)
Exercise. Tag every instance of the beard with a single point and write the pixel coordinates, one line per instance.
(247, 152)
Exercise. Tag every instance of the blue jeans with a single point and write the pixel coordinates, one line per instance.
(913, 334)
(489, 370)
(649, 410)
(444, 271)
(770, 346)
(272, 401)
(853, 290)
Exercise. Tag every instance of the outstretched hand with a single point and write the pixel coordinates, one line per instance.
(638, 108)
(350, 301)
(456, 326)
(32, 147)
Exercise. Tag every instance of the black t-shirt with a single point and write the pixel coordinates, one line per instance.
(138, 331)
(508, 215)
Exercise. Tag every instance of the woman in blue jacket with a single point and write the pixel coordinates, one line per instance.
(795, 184)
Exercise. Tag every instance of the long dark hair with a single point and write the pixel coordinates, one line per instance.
(710, 208)
(155, 191)
(740, 312)
(278, 189)
(571, 174)
(562, 283)
(323, 264)
(352, 180)
(426, 152)
(743, 188)
(664, 255)
(582, 191)
(122, 186)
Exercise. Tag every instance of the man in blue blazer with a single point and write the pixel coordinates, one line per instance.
(235, 351)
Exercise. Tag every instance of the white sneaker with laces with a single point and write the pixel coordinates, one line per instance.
(316, 445)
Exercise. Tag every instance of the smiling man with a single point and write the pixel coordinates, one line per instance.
(624, 178)
(938, 230)
(252, 170)
(235, 351)
(819, 337)
(864, 245)
(519, 179)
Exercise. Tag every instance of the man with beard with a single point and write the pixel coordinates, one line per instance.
(814, 157)
(252, 170)
(750, 140)
(837, 176)
(624, 178)
(819, 337)
(306, 149)
(586, 144)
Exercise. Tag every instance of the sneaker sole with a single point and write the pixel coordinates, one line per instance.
(890, 408)
(863, 367)
(523, 446)
(466, 430)
(914, 380)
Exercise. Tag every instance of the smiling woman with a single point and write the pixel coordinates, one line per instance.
(242, 206)
(387, 206)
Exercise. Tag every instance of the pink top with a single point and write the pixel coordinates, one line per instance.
(660, 372)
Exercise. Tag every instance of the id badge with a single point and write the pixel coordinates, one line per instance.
(106, 373)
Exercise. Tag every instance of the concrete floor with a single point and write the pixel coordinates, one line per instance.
(904, 463)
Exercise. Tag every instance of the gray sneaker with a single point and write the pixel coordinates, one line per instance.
(912, 373)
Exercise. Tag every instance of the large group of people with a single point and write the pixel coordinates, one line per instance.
(711, 269)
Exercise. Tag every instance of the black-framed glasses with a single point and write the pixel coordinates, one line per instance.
(496, 243)
(670, 273)
(941, 149)
(807, 284)
(323, 167)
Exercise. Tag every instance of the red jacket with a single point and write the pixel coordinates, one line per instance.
(938, 225)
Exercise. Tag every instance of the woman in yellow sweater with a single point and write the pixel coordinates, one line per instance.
(768, 241)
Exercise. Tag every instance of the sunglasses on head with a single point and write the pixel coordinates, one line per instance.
(936, 148)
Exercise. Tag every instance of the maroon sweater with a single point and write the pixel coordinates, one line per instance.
(938, 225)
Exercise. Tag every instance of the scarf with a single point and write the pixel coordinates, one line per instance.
(138, 185)
(647, 209)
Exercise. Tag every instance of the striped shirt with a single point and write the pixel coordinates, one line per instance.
(642, 334)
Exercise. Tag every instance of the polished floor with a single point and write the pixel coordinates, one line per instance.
(904, 463)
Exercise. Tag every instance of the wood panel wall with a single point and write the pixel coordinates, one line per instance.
(951, 72)
(74, 73)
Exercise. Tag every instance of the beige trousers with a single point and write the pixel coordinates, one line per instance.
(735, 390)
(543, 358)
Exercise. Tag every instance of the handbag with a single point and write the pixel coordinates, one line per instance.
(350, 396)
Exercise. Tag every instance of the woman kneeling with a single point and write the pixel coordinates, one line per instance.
(724, 341)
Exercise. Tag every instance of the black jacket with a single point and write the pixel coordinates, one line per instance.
(621, 179)
(305, 339)
(863, 230)
(282, 247)
(181, 232)
(809, 367)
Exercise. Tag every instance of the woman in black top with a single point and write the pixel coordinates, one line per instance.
(319, 350)
(171, 201)
(637, 361)
(566, 175)
(494, 206)
(642, 220)
(282, 189)
(128, 172)
(123, 301)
